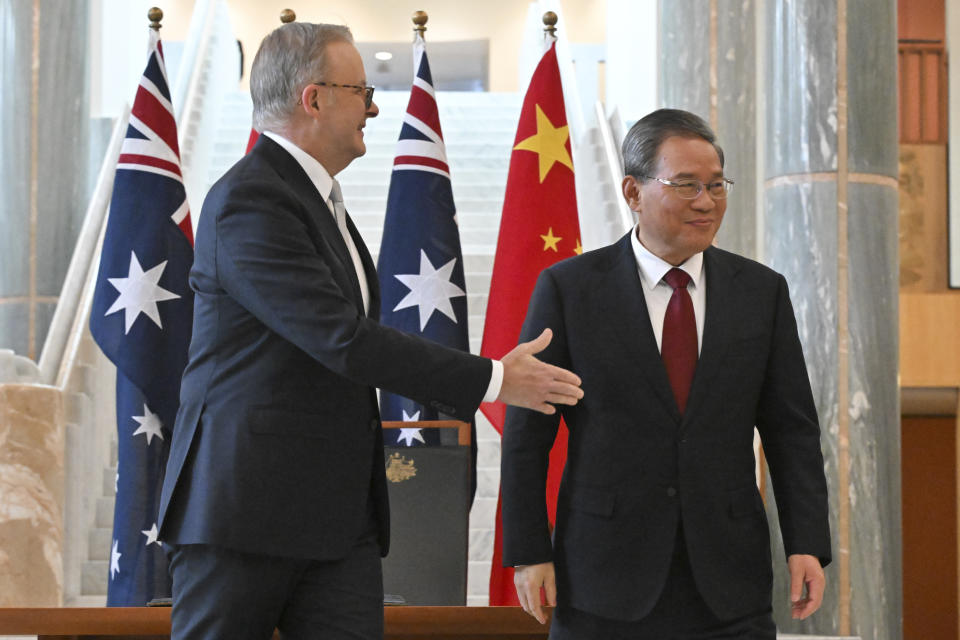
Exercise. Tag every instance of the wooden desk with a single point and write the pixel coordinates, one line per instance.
(143, 623)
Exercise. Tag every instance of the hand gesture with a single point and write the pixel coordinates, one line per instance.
(532, 384)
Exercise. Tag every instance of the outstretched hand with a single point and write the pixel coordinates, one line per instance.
(532, 384)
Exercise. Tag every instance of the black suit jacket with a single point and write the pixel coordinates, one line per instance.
(277, 445)
(636, 467)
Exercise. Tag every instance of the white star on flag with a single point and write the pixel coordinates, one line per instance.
(430, 290)
(149, 424)
(140, 293)
(410, 434)
(151, 534)
(114, 561)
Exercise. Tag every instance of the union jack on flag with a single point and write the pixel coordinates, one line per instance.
(141, 318)
(420, 263)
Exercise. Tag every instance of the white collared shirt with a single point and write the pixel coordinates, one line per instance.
(323, 182)
(657, 292)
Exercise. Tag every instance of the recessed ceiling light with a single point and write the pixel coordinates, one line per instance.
(383, 55)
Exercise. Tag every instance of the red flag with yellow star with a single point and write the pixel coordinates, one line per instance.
(538, 227)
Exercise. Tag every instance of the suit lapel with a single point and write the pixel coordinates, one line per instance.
(625, 300)
(717, 325)
(319, 214)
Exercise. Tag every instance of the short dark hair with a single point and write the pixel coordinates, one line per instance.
(642, 142)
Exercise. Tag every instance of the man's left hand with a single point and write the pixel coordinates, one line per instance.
(805, 570)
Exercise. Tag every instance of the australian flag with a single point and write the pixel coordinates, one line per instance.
(421, 264)
(141, 318)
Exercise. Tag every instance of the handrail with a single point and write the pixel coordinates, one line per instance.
(83, 259)
(207, 10)
(197, 37)
(614, 165)
(532, 50)
(571, 90)
(208, 74)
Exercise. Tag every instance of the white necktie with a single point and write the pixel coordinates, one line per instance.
(340, 215)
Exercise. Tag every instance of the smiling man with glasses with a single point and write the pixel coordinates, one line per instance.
(274, 506)
(683, 349)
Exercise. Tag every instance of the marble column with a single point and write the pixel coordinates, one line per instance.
(44, 165)
(707, 66)
(830, 220)
(31, 495)
(824, 82)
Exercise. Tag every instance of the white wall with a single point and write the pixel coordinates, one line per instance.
(632, 57)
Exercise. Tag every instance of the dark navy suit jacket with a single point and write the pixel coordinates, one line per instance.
(636, 467)
(277, 445)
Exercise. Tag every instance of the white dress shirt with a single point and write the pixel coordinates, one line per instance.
(657, 292)
(323, 182)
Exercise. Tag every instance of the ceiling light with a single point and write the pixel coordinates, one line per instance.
(383, 55)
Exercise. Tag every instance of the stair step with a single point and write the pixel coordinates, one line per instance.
(487, 218)
(99, 543)
(87, 602)
(109, 482)
(104, 518)
(94, 577)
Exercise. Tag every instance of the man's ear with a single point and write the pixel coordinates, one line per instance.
(309, 99)
(631, 193)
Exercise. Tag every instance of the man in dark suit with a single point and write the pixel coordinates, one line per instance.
(683, 348)
(274, 506)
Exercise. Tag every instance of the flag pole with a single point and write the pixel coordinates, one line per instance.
(550, 24)
(155, 15)
(420, 21)
(287, 16)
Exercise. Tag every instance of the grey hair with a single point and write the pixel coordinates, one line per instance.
(642, 142)
(291, 57)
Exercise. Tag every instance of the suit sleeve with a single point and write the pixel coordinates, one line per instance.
(528, 437)
(790, 432)
(269, 264)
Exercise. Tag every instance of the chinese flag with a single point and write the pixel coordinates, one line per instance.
(252, 140)
(538, 228)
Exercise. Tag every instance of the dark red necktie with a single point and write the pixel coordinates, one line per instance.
(679, 345)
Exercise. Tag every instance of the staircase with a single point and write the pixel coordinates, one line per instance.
(94, 572)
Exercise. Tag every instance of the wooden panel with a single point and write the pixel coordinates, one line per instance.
(463, 428)
(930, 339)
(922, 95)
(923, 217)
(929, 477)
(921, 19)
(402, 623)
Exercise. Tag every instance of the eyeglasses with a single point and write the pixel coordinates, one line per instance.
(367, 91)
(690, 189)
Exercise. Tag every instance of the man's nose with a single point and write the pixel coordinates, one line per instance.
(704, 201)
(373, 111)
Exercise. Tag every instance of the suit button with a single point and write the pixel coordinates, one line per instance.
(374, 424)
(671, 491)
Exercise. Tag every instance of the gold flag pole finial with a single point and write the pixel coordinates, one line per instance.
(420, 20)
(550, 24)
(155, 15)
(287, 16)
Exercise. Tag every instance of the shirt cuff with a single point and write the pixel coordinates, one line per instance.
(496, 381)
